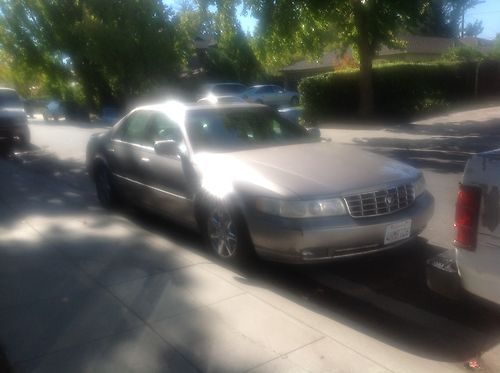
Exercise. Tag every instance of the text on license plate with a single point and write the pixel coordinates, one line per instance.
(397, 231)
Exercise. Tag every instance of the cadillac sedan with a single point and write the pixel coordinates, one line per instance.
(252, 182)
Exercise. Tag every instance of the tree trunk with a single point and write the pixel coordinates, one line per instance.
(365, 82)
(365, 51)
(476, 79)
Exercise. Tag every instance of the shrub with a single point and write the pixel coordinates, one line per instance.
(401, 89)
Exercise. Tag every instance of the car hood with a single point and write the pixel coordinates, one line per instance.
(302, 170)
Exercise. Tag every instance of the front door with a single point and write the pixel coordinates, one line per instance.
(168, 177)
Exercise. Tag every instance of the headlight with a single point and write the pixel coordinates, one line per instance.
(301, 209)
(419, 186)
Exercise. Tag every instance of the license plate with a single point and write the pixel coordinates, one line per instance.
(397, 231)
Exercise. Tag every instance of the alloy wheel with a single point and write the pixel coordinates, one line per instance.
(222, 233)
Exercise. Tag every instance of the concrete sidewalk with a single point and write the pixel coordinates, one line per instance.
(85, 290)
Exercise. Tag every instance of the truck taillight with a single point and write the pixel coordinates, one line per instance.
(467, 217)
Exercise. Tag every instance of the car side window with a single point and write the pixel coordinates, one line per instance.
(162, 128)
(135, 128)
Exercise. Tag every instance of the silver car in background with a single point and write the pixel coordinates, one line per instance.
(254, 182)
(271, 95)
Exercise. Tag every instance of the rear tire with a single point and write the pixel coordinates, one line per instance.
(226, 233)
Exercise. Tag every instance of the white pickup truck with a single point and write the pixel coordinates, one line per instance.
(475, 267)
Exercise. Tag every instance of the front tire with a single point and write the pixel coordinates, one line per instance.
(226, 233)
(106, 193)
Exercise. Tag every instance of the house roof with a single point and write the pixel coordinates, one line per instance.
(415, 44)
(326, 62)
(202, 42)
(482, 45)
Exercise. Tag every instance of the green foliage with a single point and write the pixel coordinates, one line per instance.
(288, 27)
(112, 49)
(234, 58)
(402, 89)
(463, 53)
(474, 29)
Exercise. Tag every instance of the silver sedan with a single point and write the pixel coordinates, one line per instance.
(271, 95)
(255, 183)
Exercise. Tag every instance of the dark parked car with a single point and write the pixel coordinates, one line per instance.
(252, 181)
(13, 121)
(69, 110)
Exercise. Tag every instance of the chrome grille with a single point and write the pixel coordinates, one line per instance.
(380, 202)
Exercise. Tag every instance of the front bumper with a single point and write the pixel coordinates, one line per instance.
(318, 240)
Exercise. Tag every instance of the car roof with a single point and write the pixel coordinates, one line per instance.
(181, 106)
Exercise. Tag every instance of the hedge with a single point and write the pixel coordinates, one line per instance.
(401, 89)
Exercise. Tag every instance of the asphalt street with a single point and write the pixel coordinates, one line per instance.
(384, 296)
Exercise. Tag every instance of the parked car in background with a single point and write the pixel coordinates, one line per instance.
(223, 89)
(220, 100)
(13, 121)
(110, 115)
(252, 181)
(53, 111)
(271, 95)
(475, 265)
(69, 110)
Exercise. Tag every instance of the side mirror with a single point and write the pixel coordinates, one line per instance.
(167, 147)
(314, 132)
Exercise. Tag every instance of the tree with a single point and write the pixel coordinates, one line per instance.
(434, 21)
(233, 57)
(446, 18)
(474, 29)
(114, 49)
(456, 10)
(291, 26)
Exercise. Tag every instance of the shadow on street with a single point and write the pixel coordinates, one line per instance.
(446, 150)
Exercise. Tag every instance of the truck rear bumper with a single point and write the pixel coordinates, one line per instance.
(442, 275)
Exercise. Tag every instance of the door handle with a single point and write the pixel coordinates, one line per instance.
(144, 159)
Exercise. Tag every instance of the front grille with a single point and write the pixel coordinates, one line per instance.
(380, 202)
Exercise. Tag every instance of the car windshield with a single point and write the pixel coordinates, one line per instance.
(9, 98)
(236, 129)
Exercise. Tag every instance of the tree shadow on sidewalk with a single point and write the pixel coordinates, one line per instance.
(66, 214)
(446, 149)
